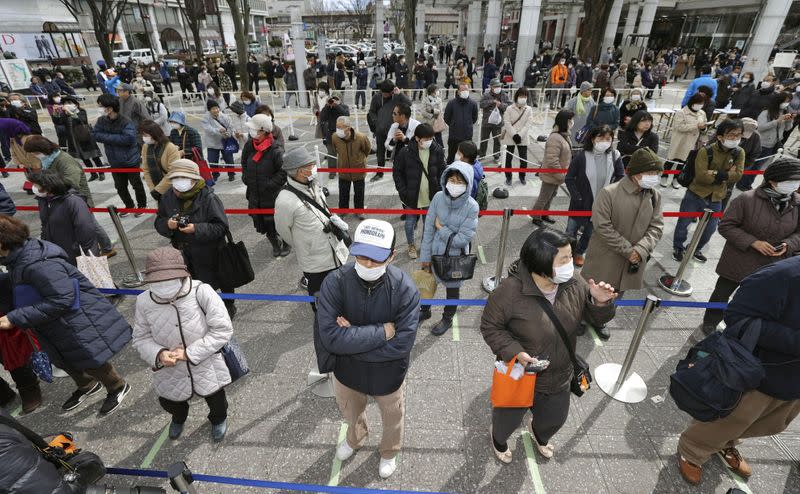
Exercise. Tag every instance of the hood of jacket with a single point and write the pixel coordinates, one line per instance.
(33, 250)
(465, 170)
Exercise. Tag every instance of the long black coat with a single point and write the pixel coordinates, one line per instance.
(68, 223)
(81, 149)
(264, 179)
(407, 173)
(581, 197)
(199, 248)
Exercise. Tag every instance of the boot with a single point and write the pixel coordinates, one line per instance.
(7, 394)
(31, 397)
(277, 244)
(285, 248)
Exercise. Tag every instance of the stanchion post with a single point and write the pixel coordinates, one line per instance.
(180, 478)
(616, 380)
(292, 136)
(137, 278)
(676, 285)
(490, 283)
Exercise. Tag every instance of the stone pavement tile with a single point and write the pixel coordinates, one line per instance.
(476, 362)
(288, 355)
(248, 450)
(574, 467)
(433, 357)
(469, 320)
(434, 404)
(599, 412)
(629, 464)
(308, 465)
(436, 457)
(476, 406)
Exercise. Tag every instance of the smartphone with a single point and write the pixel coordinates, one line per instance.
(778, 246)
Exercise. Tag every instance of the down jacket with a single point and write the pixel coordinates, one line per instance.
(557, 154)
(119, 138)
(264, 179)
(517, 120)
(198, 320)
(84, 338)
(352, 152)
(408, 172)
(68, 223)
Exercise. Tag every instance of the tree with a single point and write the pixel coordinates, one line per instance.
(105, 15)
(193, 12)
(360, 14)
(241, 16)
(396, 17)
(410, 7)
(594, 27)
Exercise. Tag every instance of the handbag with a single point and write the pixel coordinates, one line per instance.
(453, 268)
(230, 145)
(582, 378)
(202, 164)
(96, 269)
(586, 128)
(235, 360)
(341, 235)
(235, 269)
(40, 361)
(511, 393)
(426, 283)
(439, 125)
(508, 79)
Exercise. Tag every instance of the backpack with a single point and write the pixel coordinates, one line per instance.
(709, 383)
(687, 174)
(482, 197)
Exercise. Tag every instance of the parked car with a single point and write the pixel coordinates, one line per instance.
(141, 55)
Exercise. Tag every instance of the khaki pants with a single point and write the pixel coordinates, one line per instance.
(87, 378)
(280, 86)
(352, 404)
(757, 415)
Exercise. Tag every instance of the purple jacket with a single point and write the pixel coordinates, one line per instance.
(12, 128)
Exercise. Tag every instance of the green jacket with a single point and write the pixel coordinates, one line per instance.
(728, 171)
(72, 172)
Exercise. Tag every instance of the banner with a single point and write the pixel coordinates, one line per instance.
(17, 73)
(32, 46)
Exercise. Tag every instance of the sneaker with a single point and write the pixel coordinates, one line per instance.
(412, 252)
(442, 326)
(699, 257)
(175, 430)
(736, 462)
(304, 283)
(602, 332)
(676, 184)
(344, 451)
(677, 255)
(79, 397)
(508, 182)
(664, 181)
(504, 456)
(689, 471)
(424, 314)
(218, 431)
(109, 253)
(123, 214)
(114, 399)
(332, 175)
(387, 467)
(577, 260)
(5, 174)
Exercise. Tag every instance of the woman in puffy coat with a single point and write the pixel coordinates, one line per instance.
(180, 326)
(452, 213)
(431, 111)
(80, 143)
(76, 325)
(557, 154)
(158, 153)
(687, 125)
(517, 122)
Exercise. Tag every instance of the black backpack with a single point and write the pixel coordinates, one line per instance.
(686, 176)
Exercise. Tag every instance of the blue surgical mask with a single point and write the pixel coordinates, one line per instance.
(48, 160)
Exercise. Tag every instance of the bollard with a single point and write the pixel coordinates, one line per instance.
(292, 136)
(616, 380)
(490, 283)
(137, 278)
(676, 285)
(180, 478)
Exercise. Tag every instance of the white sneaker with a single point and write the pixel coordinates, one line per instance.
(387, 468)
(344, 451)
(676, 185)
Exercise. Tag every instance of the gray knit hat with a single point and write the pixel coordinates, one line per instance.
(782, 169)
(297, 158)
(586, 86)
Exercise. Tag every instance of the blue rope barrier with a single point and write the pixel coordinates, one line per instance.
(265, 484)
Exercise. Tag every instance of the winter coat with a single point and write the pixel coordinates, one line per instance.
(7, 206)
(606, 114)
(770, 294)
(431, 109)
(327, 119)
(703, 80)
(186, 140)
(401, 75)
(577, 181)
(72, 173)
(155, 174)
(628, 143)
(379, 117)
(628, 108)
(685, 133)
(408, 173)
(460, 115)
(513, 322)
(301, 225)
(199, 248)
(753, 102)
(771, 130)
(489, 103)
(580, 119)
(119, 138)
(751, 216)
(352, 152)
(291, 80)
(364, 359)
(517, 120)
(309, 78)
(457, 216)
(80, 149)
(729, 171)
(625, 218)
(362, 76)
(264, 179)
(141, 86)
(68, 223)
(159, 114)
(557, 154)
(84, 338)
(198, 320)
(133, 109)
(211, 128)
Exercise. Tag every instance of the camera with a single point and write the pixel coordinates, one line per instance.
(110, 489)
(183, 221)
(633, 267)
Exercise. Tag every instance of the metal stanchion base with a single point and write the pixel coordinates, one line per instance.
(633, 390)
(682, 289)
(293, 138)
(489, 284)
(133, 280)
(321, 384)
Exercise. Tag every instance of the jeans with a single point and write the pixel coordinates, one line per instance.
(418, 87)
(693, 203)
(213, 159)
(361, 95)
(217, 408)
(344, 194)
(574, 223)
(411, 225)
(523, 162)
(121, 181)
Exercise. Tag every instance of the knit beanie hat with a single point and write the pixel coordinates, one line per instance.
(184, 168)
(782, 169)
(644, 160)
(586, 86)
(297, 158)
(237, 107)
(165, 263)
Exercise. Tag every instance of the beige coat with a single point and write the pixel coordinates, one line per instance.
(625, 219)
(557, 154)
(171, 153)
(524, 120)
(684, 133)
(352, 152)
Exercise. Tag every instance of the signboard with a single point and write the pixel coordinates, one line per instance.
(43, 46)
(16, 72)
(784, 59)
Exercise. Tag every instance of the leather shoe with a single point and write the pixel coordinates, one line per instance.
(442, 326)
(603, 332)
(736, 462)
(690, 472)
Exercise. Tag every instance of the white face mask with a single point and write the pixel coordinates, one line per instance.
(648, 181)
(562, 274)
(636, 97)
(784, 188)
(426, 144)
(16, 103)
(745, 80)
(70, 107)
(463, 94)
(57, 100)
(246, 101)
(766, 85)
(784, 105)
(341, 133)
(697, 107)
(602, 146)
(167, 289)
(182, 184)
(322, 94)
(148, 140)
(313, 173)
(496, 90)
(211, 91)
(456, 190)
(37, 192)
(175, 125)
(608, 99)
(522, 101)
(370, 274)
(731, 144)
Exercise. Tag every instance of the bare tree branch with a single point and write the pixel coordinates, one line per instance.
(105, 15)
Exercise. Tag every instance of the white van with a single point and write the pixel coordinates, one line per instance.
(142, 56)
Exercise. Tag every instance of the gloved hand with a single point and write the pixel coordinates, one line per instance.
(721, 176)
(517, 139)
(155, 195)
(339, 222)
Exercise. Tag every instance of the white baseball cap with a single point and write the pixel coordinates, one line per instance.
(373, 239)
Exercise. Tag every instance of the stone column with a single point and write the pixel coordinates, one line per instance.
(612, 25)
(770, 22)
(526, 42)
(420, 28)
(648, 16)
(298, 44)
(492, 28)
(630, 21)
(155, 36)
(473, 27)
(379, 20)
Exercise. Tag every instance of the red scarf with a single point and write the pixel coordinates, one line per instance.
(261, 146)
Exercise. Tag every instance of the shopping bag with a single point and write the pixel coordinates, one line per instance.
(439, 124)
(426, 283)
(495, 118)
(15, 348)
(202, 164)
(40, 362)
(96, 270)
(511, 393)
(235, 269)
(235, 359)
(230, 145)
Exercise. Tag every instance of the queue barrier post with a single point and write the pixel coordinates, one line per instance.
(180, 478)
(616, 380)
(137, 278)
(490, 283)
(676, 285)
(292, 136)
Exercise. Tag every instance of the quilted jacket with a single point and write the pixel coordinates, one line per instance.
(198, 320)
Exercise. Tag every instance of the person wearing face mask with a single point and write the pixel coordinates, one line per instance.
(687, 126)
(493, 98)
(364, 331)
(757, 99)
(80, 143)
(362, 79)
(254, 73)
(704, 79)
(37, 88)
(130, 106)
(453, 214)
(460, 115)
(250, 102)
(557, 79)
(290, 81)
(589, 172)
(606, 112)
(402, 130)
(239, 121)
(333, 109)
(515, 323)
(180, 327)
(760, 227)
(582, 105)
(352, 150)
(628, 224)
(185, 137)
(140, 84)
(633, 104)
(224, 85)
(773, 122)
(516, 127)
(557, 154)
(432, 112)
(157, 111)
(743, 90)
(401, 73)
(637, 134)
(202, 80)
(717, 166)
(158, 154)
(380, 118)
(751, 145)
(217, 127)
(22, 111)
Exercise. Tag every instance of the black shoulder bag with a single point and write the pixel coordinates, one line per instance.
(582, 378)
(340, 234)
(453, 268)
(235, 269)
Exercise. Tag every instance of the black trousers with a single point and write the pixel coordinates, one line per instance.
(549, 415)
(523, 163)
(315, 283)
(452, 148)
(121, 181)
(722, 293)
(217, 408)
(344, 194)
(380, 152)
(168, 85)
(449, 310)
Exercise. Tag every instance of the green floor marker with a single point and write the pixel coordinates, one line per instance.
(151, 455)
(336, 467)
(456, 329)
(533, 467)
